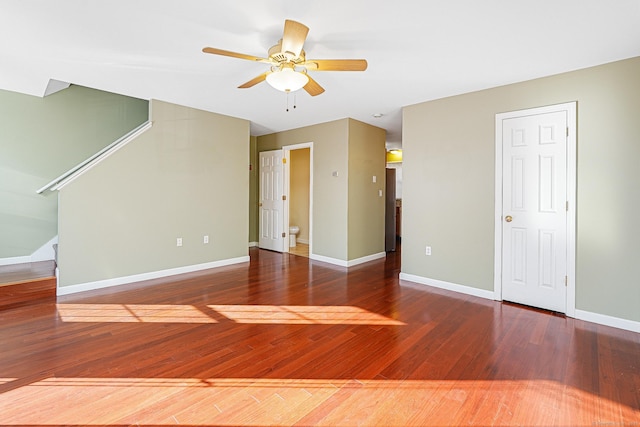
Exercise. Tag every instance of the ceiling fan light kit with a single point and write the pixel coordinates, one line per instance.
(287, 79)
(289, 65)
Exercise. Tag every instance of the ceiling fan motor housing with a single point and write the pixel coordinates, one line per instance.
(277, 55)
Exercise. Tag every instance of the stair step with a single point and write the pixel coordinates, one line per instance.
(25, 292)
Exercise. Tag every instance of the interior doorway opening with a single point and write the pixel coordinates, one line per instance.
(298, 187)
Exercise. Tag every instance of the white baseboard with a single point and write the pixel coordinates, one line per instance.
(367, 258)
(43, 253)
(350, 263)
(463, 289)
(253, 244)
(614, 322)
(100, 284)
(303, 241)
(601, 319)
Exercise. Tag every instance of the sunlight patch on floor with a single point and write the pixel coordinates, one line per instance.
(127, 313)
(271, 314)
(260, 402)
(303, 314)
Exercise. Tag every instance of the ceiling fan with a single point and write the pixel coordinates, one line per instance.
(289, 65)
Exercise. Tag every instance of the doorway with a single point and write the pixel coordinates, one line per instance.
(535, 207)
(298, 186)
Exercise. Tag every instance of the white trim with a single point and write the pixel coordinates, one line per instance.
(286, 182)
(367, 258)
(329, 260)
(587, 316)
(88, 164)
(350, 263)
(54, 86)
(463, 289)
(45, 252)
(253, 244)
(100, 284)
(572, 177)
(15, 260)
(570, 109)
(304, 241)
(603, 319)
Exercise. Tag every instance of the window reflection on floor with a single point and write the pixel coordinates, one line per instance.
(300, 249)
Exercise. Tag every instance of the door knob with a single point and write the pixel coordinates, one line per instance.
(508, 218)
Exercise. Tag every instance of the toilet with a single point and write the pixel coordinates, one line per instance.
(293, 231)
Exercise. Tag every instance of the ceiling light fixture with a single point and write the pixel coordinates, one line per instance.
(287, 79)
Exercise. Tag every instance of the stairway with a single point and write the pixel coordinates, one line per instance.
(23, 284)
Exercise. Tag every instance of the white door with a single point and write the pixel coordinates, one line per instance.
(271, 203)
(534, 210)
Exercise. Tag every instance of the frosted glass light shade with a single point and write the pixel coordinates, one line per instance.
(287, 80)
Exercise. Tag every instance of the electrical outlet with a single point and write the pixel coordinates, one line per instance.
(427, 250)
(375, 179)
(379, 193)
(205, 239)
(179, 241)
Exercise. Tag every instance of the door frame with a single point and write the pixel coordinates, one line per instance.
(571, 109)
(287, 174)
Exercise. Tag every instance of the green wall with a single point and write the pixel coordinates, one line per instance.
(448, 187)
(330, 154)
(40, 139)
(185, 177)
(335, 232)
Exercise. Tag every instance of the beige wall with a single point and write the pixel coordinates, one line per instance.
(448, 188)
(330, 154)
(299, 191)
(185, 177)
(367, 158)
(346, 148)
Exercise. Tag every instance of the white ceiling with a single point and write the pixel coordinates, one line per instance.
(417, 50)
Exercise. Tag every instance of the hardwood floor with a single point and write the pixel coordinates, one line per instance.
(284, 340)
(22, 284)
(19, 273)
(300, 249)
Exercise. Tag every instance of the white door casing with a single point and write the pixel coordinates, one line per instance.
(535, 207)
(271, 202)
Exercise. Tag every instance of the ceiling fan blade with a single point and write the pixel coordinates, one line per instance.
(222, 52)
(335, 64)
(259, 79)
(293, 37)
(313, 88)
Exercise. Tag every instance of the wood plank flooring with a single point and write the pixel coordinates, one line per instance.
(300, 249)
(26, 283)
(19, 273)
(284, 340)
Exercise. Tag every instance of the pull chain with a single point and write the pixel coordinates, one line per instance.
(294, 101)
